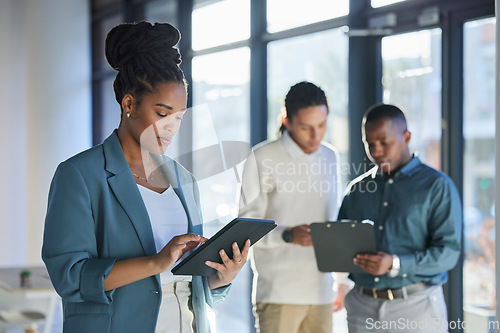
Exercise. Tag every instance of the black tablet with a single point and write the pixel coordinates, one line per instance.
(238, 230)
(337, 243)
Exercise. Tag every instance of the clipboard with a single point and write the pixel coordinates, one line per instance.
(337, 243)
(238, 230)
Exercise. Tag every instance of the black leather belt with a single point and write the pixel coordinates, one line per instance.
(392, 294)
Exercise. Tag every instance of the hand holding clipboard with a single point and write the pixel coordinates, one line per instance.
(336, 244)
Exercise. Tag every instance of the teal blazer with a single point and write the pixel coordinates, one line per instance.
(95, 216)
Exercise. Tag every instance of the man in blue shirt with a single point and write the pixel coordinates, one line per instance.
(417, 216)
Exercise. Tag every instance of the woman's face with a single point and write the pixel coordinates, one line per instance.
(156, 119)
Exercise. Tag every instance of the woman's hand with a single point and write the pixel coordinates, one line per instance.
(227, 271)
(134, 269)
(175, 249)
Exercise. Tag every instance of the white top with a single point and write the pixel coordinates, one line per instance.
(168, 219)
(282, 183)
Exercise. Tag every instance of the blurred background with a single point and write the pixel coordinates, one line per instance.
(433, 58)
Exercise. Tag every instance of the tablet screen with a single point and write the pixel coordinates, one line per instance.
(238, 230)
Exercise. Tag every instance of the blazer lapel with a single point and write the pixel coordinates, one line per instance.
(125, 190)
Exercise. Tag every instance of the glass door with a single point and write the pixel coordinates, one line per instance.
(479, 176)
(411, 67)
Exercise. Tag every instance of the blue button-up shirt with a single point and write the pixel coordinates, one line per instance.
(417, 215)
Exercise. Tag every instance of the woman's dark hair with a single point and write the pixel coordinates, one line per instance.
(303, 95)
(144, 56)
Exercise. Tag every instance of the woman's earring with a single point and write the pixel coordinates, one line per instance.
(128, 114)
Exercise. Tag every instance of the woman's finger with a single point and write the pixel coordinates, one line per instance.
(189, 237)
(236, 253)
(189, 246)
(192, 244)
(246, 249)
(224, 257)
(216, 266)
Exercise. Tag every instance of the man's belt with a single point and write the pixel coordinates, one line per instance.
(392, 294)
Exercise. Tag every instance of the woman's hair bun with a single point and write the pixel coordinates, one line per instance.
(150, 43)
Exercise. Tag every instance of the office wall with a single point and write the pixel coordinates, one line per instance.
(45, 113)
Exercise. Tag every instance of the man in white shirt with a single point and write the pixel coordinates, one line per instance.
(295, 181)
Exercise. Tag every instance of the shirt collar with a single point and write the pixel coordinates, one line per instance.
(293, 148)
(406, 170)
(411, 165)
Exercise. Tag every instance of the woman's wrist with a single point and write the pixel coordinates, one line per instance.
(157, 265)
(215, 282)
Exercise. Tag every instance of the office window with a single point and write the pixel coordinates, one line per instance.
(103, 4)
(285, 14)
(412, 80)
(479, 174)
(320, 58)
(221, 113)
(221, 81)
(100, 31)
(221, 22)
(382, 3)
(161, 11)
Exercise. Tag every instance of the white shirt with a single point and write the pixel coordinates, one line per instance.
(282, 183)
(168, 219)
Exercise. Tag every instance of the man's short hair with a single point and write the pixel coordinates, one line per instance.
(384, 111)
